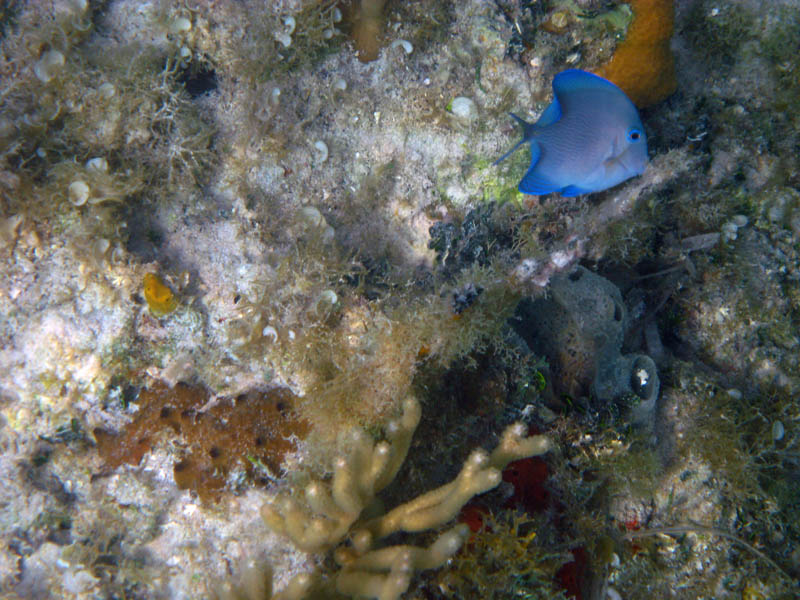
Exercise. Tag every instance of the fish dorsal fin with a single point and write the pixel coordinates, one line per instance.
(536, 183)
(550, 115)
(568, 84)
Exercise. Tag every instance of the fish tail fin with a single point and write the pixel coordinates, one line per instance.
(528, 129)
(526, 137)
(519, 120)
(510, 152)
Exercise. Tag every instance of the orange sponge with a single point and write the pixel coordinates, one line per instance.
(159, 297)
(643, 65)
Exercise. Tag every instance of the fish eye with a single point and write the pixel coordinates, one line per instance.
(634, 135)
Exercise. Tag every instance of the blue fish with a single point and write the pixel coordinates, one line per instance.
(589, 139)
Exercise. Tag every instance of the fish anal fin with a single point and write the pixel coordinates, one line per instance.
(534, 183)
(574, 190)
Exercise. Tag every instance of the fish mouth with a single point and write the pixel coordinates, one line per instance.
(630, 164)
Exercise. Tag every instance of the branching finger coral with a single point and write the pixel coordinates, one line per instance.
(255, 583)
(364, 472)
(386, 573)
(333, 509)
(480, 473)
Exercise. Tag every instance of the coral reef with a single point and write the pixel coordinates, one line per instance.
(227, 244)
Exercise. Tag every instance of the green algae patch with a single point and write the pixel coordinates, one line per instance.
(500, 186)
